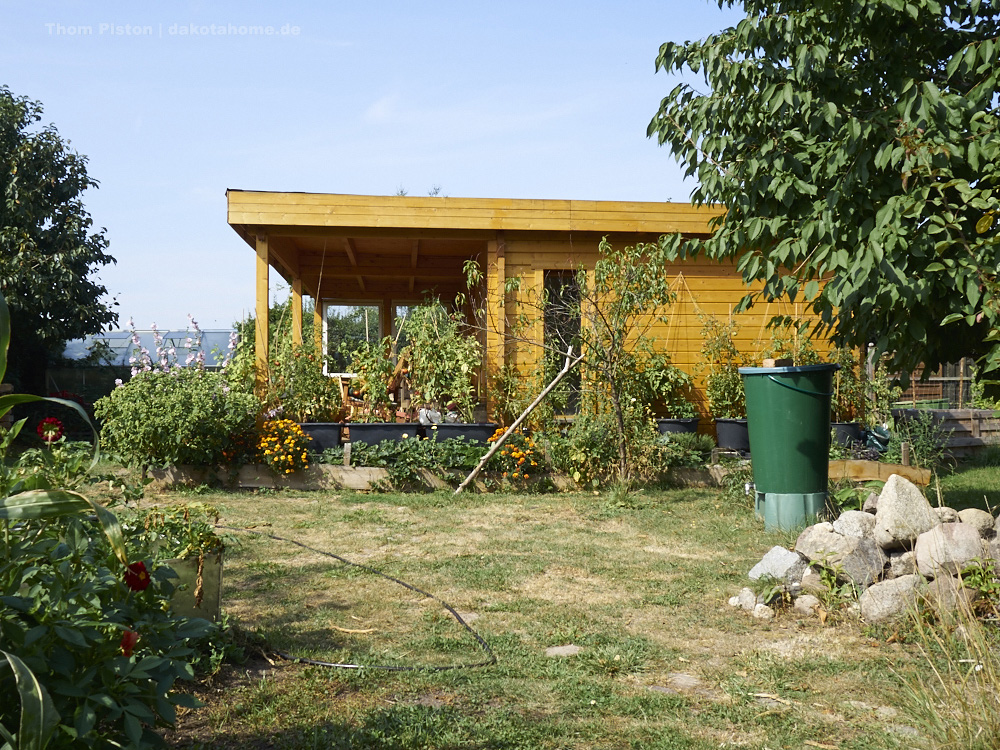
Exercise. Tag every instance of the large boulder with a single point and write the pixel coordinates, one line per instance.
(901, 563)
(991, 550)
(855, 558)
(781, 564)
(855, 523)
(947, 549)
(812, 583)
(903, 514)
(890, 600)
(949, 598)
(980, 519)
(946, 514)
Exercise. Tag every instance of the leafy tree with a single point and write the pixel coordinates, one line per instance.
(853, 141)
(47, 249)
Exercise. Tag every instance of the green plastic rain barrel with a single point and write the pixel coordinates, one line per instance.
(788, 416)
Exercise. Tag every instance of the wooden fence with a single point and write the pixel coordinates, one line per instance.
(970, 429)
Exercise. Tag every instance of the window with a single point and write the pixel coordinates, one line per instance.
(562, 317)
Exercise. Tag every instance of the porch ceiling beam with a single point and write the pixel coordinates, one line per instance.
(377, 263)
(395, 288)
(380, 273)
(352, 256)
(414, 252)
(349, 248)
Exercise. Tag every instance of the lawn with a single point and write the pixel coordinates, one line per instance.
(638, 582)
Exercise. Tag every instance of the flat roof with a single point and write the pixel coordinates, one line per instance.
(332, 211)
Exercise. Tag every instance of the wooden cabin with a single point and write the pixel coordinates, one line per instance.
(391, 250)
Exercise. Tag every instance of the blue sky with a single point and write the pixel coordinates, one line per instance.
(495, 100)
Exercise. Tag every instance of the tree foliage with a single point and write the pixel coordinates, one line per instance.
(48, 252)
(853, 141)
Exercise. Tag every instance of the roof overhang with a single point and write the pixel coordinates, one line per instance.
(374, 246)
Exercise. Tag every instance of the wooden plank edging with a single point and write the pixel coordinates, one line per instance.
(865, 471)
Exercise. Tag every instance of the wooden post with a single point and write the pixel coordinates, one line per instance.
(496, 327)
(297, 311)
(318, 326)
(262, 310)
(905, 451)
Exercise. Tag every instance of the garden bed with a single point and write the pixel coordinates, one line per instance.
(365, 478)
(316, 477)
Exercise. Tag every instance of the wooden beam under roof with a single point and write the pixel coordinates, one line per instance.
(414, 253)
(352, 256)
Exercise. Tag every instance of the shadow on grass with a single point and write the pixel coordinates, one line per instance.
(969, 487)
(400, 727)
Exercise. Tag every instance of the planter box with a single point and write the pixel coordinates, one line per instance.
(846, 434)
(185, 600)
(668, 425)
(371, 433)
(473, 431)
(733, 435)
(324, 434)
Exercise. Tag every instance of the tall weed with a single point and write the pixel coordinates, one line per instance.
(955, 702)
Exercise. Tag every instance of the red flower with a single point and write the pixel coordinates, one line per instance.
(129, 639)
(136, 576)
(50, 429)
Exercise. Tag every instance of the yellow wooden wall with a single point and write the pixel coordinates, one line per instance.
(702, 288)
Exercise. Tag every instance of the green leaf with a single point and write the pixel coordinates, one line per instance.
(4, 336)
(45, 504)
(70, 635)
(39, 717)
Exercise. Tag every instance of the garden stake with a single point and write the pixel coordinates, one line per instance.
(500, 441)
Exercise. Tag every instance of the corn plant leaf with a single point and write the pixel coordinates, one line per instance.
(39, 717)
(47, 504)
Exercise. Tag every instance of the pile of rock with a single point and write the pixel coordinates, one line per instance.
(899, 551)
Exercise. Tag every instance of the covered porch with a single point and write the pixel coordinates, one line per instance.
(388, 251)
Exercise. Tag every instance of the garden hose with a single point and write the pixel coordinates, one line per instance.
(483, 645)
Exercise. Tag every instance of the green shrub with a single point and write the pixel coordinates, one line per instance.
(106, 652)
(62, 464)
(298, 390)
(443, 355)
(404, 459)
(180, 417)
(927, 438)
(687, 449)
(589, 450)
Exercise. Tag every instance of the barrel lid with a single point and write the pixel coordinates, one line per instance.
(825, 366)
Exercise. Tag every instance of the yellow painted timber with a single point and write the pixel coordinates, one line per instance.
(293, 209)
(297, 311)
(261, 309)
(496, 329)
(318, 325)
